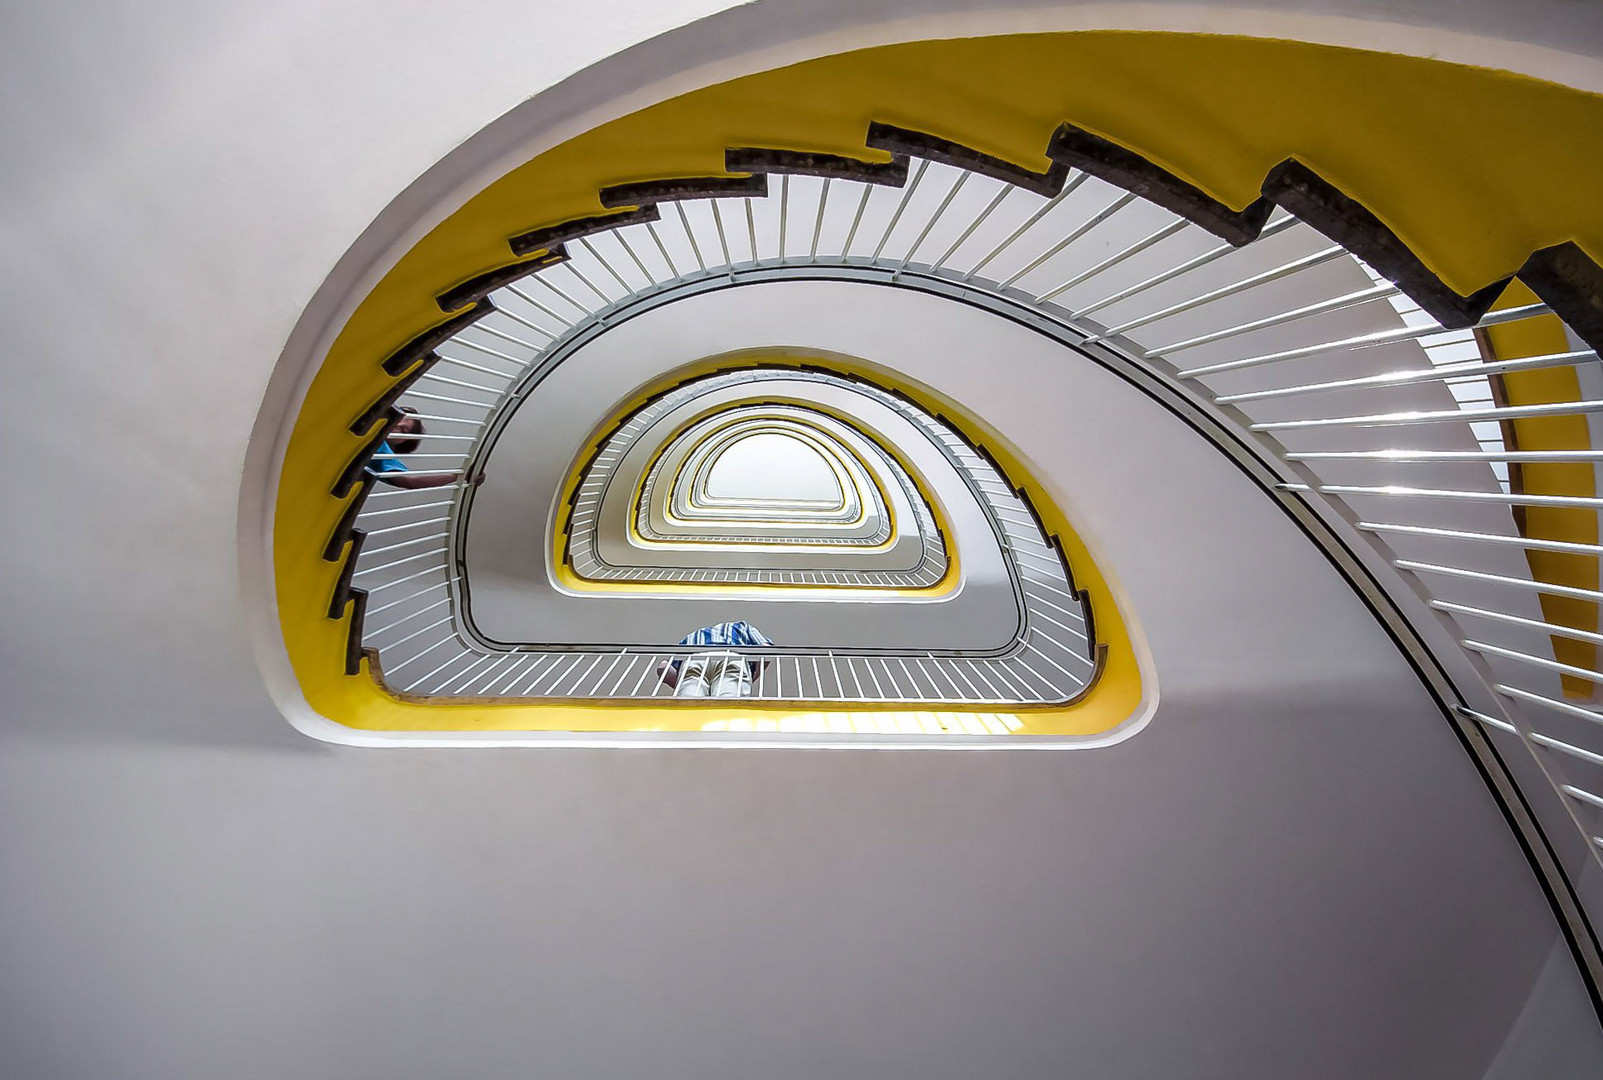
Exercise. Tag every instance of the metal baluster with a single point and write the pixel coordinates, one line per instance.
(1211, 255)
(414, 634)
(515, 317)
(857, 219)
(1045, 208)
(1285, 270)
(1176, 226)
(1084, 227)
(520, 294)
(412, 596)
(962, 177)
(1414, 376)
(1322, 307)
(458, 658)
(623, 240)
(605, 265)
(673, 270)
(1001, 194)
(1361, 341)
(391, 669)
(818, 222)
(723, 241)
(691, 236)
(784, 210)
(907, 196)
(397, 562)
(371, 589)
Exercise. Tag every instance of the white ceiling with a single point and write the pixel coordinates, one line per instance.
(767, 467)
(1292, 872)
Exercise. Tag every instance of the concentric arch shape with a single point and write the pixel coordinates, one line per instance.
(829, 653)
(888, 537)
(404, 361)
(743, 471)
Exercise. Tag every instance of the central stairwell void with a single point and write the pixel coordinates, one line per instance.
(642, 511)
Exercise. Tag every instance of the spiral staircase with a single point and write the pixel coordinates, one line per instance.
(1213, 453)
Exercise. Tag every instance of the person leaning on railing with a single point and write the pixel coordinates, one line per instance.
(718, 674)
(388, 467)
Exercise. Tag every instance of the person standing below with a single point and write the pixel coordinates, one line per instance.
(717, 673)
(390, 469)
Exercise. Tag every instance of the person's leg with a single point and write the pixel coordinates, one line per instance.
(695, 676)
(732, 677)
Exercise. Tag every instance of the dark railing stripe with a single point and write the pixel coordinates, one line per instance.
(342, 587)
(757, 159)
(648, 192)
(552, 236)
(476, 288)
(385, 404)
(342, 529)
(353, 633)
(426, 342)
(1567, 280)
(900, 140)
(358, 465)
(1107, 160)
(1351, 224)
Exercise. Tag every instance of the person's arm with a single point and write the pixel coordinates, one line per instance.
(755, 636)
(415, 481)
(668, 674)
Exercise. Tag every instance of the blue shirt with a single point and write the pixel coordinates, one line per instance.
(384, 464)
(727, 634)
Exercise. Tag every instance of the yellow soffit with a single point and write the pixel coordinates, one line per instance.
(1472, 168)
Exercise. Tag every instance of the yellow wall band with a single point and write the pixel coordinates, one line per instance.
(1545, 336)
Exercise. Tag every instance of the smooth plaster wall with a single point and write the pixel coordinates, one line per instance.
(191, 889)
